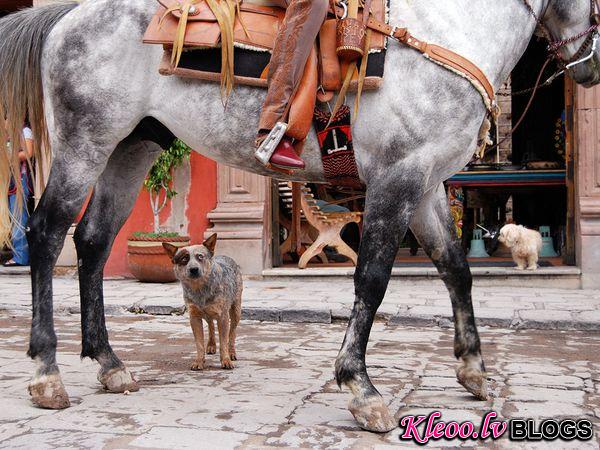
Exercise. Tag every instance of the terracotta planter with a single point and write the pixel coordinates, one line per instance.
(147, 259)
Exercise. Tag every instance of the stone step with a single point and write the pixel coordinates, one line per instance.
(562, 277)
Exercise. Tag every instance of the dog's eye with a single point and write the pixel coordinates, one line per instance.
(182, 259)
(200, 257)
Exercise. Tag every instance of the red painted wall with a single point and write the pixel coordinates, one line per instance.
(201, 199)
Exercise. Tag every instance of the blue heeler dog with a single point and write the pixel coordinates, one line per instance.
(212, 290)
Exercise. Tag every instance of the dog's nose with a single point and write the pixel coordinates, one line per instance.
(194, 272)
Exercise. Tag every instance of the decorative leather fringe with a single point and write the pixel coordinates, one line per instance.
(339, 101)
(225, 13)
(362, 74)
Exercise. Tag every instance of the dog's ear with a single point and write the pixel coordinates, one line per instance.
(511, 235)
(210, 243)
(170, 249)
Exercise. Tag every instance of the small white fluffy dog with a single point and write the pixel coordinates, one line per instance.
(524, 244)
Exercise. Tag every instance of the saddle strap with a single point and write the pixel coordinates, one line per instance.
(447, 58)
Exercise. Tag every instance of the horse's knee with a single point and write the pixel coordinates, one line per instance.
(371, 283)
(462, 279)
(45, 231)
(37, 231)
(90, 242)
(455, 271)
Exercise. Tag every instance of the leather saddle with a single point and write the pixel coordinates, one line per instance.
(255, 27)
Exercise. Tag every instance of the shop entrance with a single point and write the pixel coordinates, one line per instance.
(527, 180)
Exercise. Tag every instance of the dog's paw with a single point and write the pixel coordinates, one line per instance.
(197, 365)
(211, 349)
(227, 364)
(232, 355)
(532, 267)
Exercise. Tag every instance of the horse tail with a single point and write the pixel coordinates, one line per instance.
(21, 96)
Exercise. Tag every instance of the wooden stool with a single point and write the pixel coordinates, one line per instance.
(329, 227)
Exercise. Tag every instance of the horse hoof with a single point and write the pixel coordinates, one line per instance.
(372, 414)
(48, 392)
(118, 380)
(474, 381)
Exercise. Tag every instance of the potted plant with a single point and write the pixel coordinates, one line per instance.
(146, 256)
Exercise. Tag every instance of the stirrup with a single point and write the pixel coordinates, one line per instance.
(269, 144)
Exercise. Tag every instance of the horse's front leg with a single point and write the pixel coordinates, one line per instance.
(111, 203)
(388, 209)
(433, 226)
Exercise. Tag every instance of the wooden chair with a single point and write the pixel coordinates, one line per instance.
(300, 237)
(329, 227)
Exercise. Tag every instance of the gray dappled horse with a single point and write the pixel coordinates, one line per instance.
(108, 112)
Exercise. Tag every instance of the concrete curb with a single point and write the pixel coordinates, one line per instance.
(326, 316)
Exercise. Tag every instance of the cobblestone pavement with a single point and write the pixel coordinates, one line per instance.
(327, 301)
(282, 391)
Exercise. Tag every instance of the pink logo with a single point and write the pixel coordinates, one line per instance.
(435, 429)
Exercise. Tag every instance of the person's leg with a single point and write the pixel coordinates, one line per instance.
(24, 258)
(19, 239)
(303, 20)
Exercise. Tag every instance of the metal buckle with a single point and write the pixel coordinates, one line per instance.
(269, 144)
(393, 32)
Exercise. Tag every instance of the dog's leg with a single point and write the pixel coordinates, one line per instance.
(198, 329)
(235, 314)
(518, 261)
(532, 260)
(211, 346)
(223, 325)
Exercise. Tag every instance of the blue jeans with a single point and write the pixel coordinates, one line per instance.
(19, 240)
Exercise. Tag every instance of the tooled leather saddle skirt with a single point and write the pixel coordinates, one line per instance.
(255, 30)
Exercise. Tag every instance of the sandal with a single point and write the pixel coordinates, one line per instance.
(11, 263)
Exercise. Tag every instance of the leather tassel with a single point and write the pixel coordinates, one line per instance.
(362, 74)
(166, 14)
(339, 101)
(222, 13)
(180, 35)
(239, 15)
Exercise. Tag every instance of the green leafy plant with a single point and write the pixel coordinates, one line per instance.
(159, 180)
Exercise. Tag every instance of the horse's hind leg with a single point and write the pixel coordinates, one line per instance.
(113, 198)
(68, 184)
(433, 226)
(388, 210)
